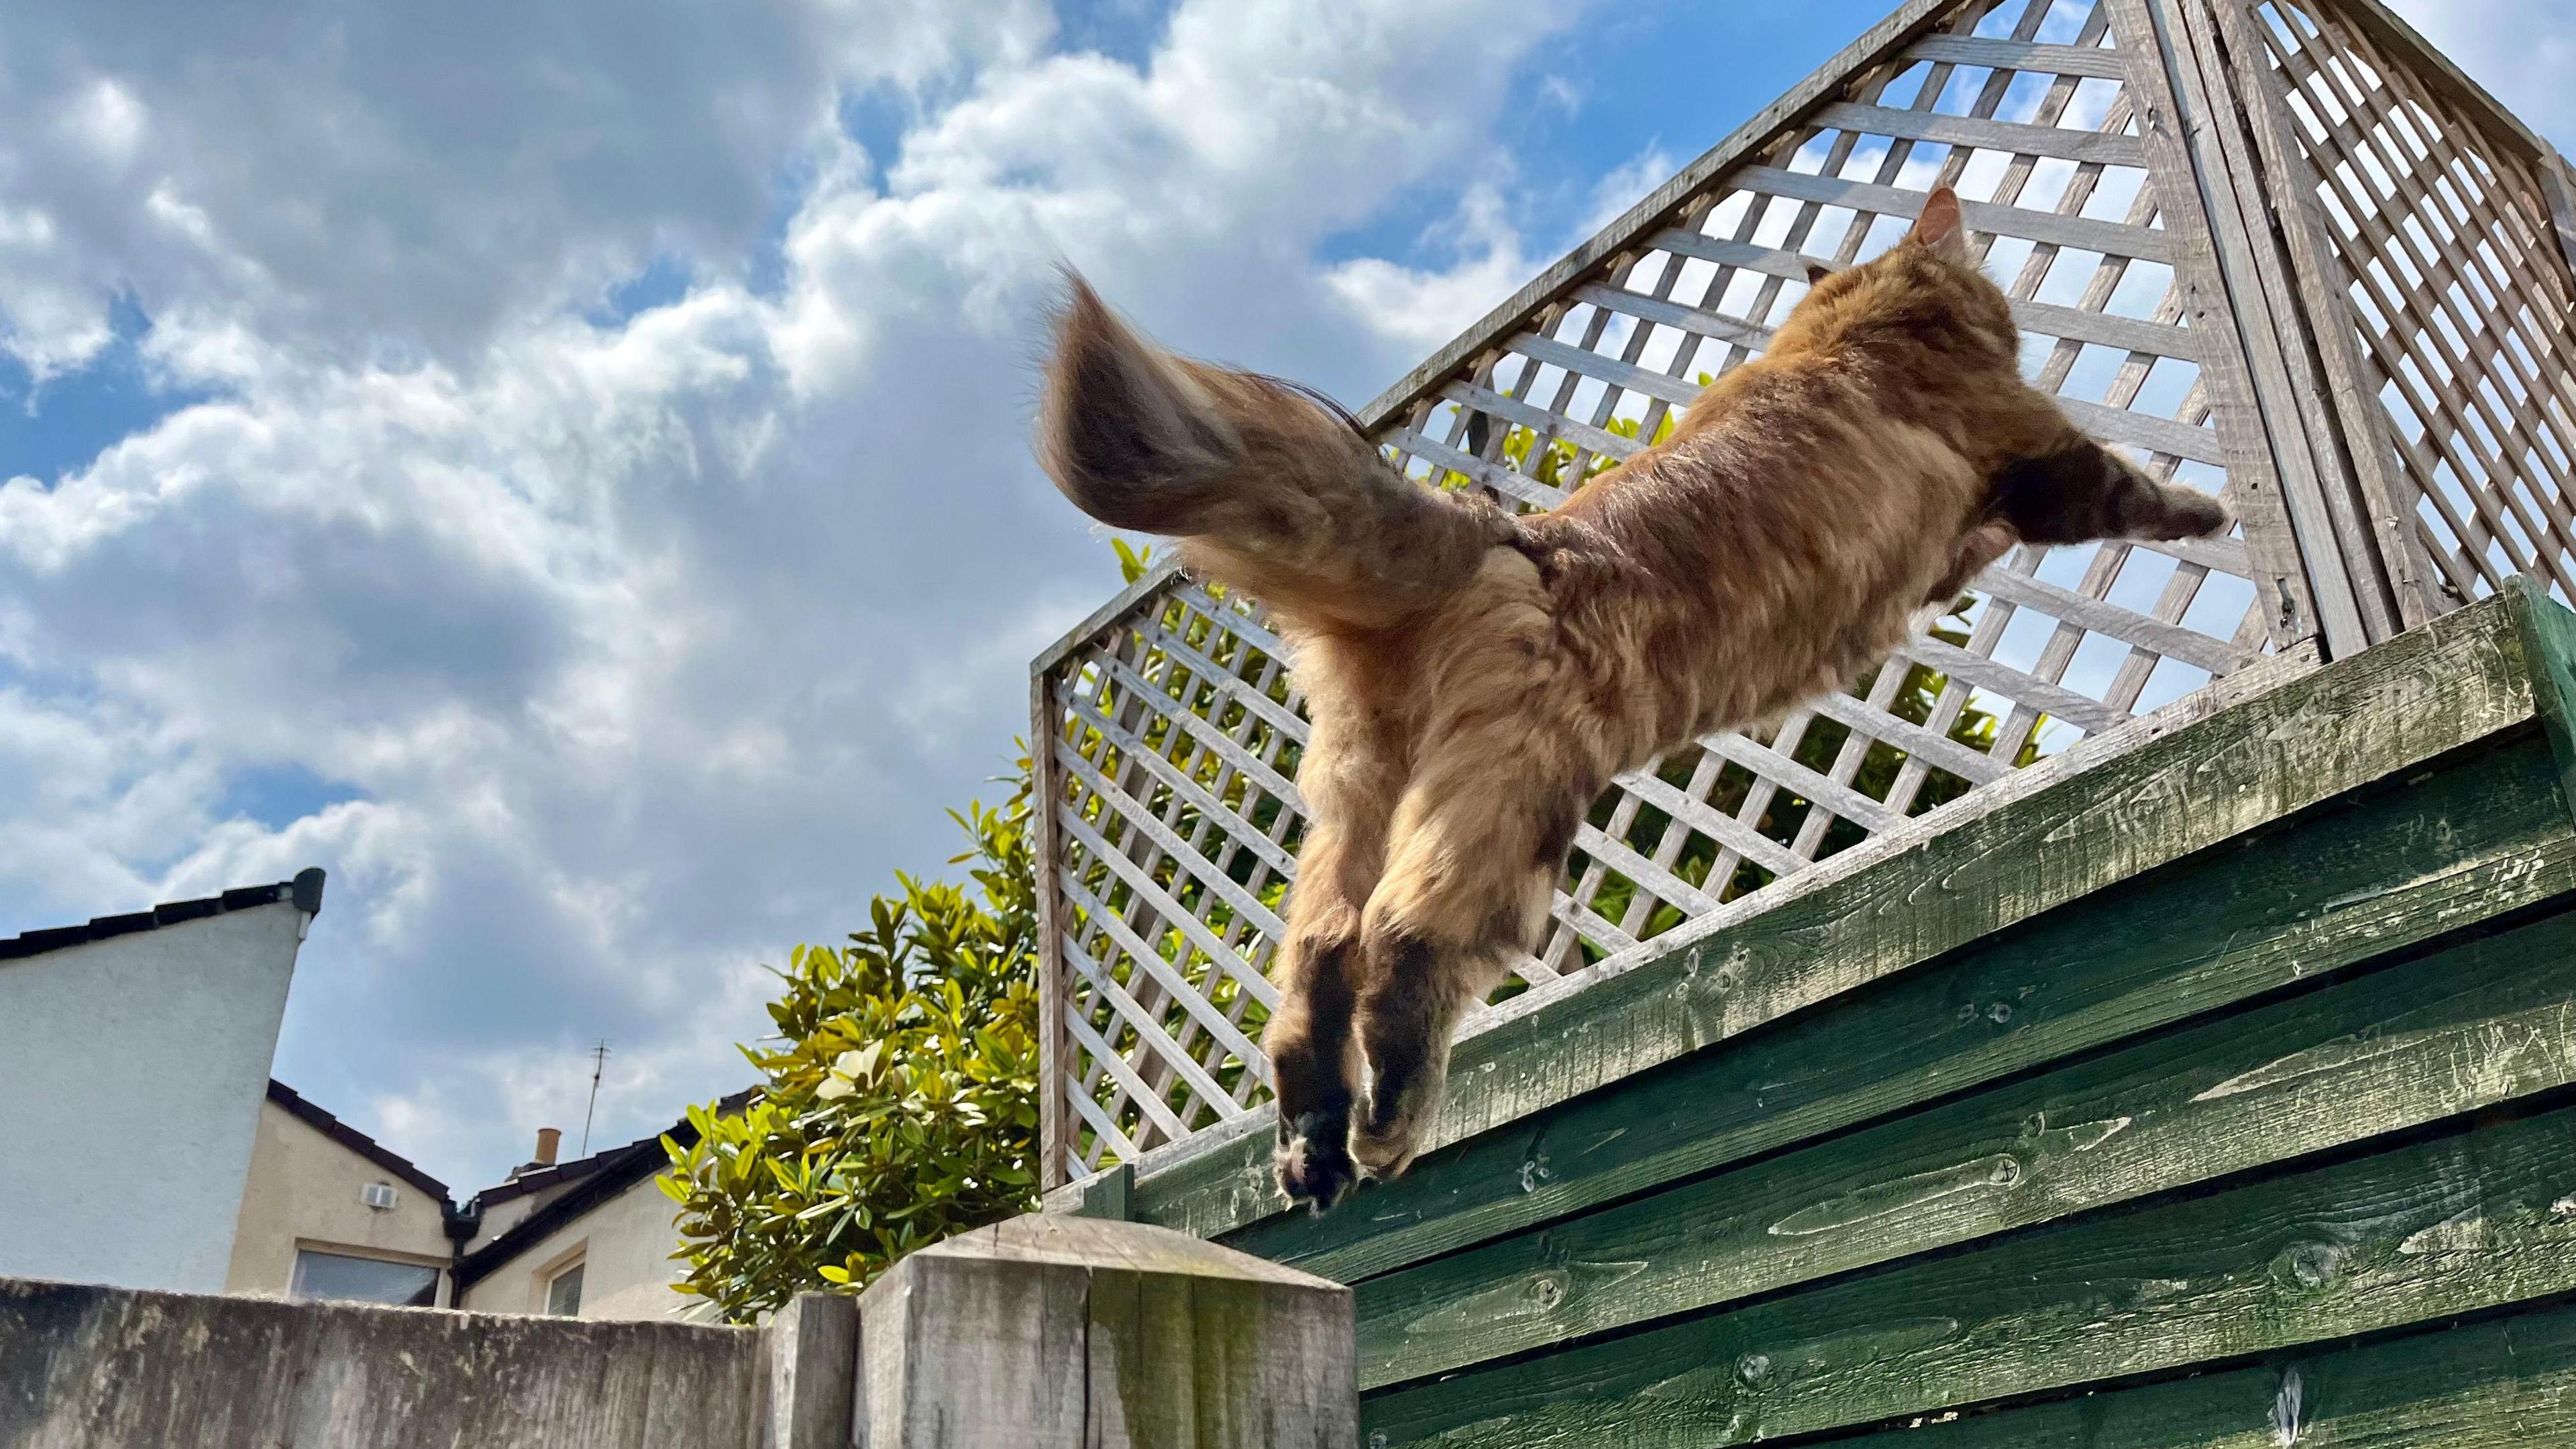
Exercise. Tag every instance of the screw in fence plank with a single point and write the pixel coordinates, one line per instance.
(1075, 1331)
(810, 1350)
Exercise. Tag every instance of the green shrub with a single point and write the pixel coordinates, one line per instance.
(899, 1104)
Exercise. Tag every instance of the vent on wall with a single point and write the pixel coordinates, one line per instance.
(377, 1195)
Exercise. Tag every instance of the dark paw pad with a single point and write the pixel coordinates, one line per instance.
(1313, 1161)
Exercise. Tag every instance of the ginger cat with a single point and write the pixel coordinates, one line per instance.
(1476, 679)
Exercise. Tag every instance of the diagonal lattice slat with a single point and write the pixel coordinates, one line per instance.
(1172, 728)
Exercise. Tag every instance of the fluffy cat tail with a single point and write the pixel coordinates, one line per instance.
(1271, 490)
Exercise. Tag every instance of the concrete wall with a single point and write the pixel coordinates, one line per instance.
(134, 1069)
(84, 1367)
(1056, 1331)
(303, 1192)
(625, 1244)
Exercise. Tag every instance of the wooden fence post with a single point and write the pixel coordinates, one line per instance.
(1060, 1330)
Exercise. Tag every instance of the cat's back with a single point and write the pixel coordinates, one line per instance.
(1779, 447)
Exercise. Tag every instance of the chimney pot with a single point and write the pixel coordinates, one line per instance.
(548, 1139)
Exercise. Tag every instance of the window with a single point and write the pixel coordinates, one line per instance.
(341, 1278)
(563, 1293)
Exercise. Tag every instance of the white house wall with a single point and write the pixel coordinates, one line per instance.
(134, 1069)
(625, 1244)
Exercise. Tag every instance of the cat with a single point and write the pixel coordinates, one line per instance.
(1477, 678)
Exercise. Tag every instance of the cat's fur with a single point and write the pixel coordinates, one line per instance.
(1476, 679)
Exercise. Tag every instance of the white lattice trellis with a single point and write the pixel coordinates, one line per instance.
(2162, 316)
(2455, 290)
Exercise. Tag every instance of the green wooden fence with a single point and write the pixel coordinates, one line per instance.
(2223, 1092)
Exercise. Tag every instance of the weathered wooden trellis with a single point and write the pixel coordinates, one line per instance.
(2282, 249)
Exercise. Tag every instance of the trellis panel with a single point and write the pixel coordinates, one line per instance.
(2159, 302)
(2444, 276)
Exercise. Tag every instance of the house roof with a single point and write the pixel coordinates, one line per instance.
(596, 1179)
(538, 1179)
(357, 1142)
(304, 892)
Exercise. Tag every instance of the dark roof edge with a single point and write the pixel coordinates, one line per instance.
(304, 893)
(358, 1142)
(619, 1168)
(539, 1179)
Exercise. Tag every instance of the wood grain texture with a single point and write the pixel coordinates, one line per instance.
(2434, 1228)
(2549, 643)
(2462, 1029)
(2504, 1384)
(87, 1367)
(2558, 188)
(2420, 696)
(2021, 55)
(2340, 884)
(2066, 143)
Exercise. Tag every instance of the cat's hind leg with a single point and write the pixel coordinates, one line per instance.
(1477, 848)
(1351, 776)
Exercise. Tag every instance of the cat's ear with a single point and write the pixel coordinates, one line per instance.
(1940, 228)
(1817, 272)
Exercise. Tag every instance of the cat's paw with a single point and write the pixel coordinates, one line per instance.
(1385, 1154)
(1311, 1162)
(2191, 513)
(1386, 1135)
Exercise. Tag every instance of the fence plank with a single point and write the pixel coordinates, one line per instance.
(812, 1349)
(2505, 1384)
(2463, 1029)
(2258, 385)
(2448, 1226)
(1055, 1060)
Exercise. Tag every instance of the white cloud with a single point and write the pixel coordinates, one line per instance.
(628, 652)
(1428, 306)
(108, 120)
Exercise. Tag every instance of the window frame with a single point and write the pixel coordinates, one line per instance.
(308, 1248)
(566, 1266)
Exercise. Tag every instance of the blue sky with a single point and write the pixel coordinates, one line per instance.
(566, 473)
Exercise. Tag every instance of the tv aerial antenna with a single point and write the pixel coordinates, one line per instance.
(598, 1065)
